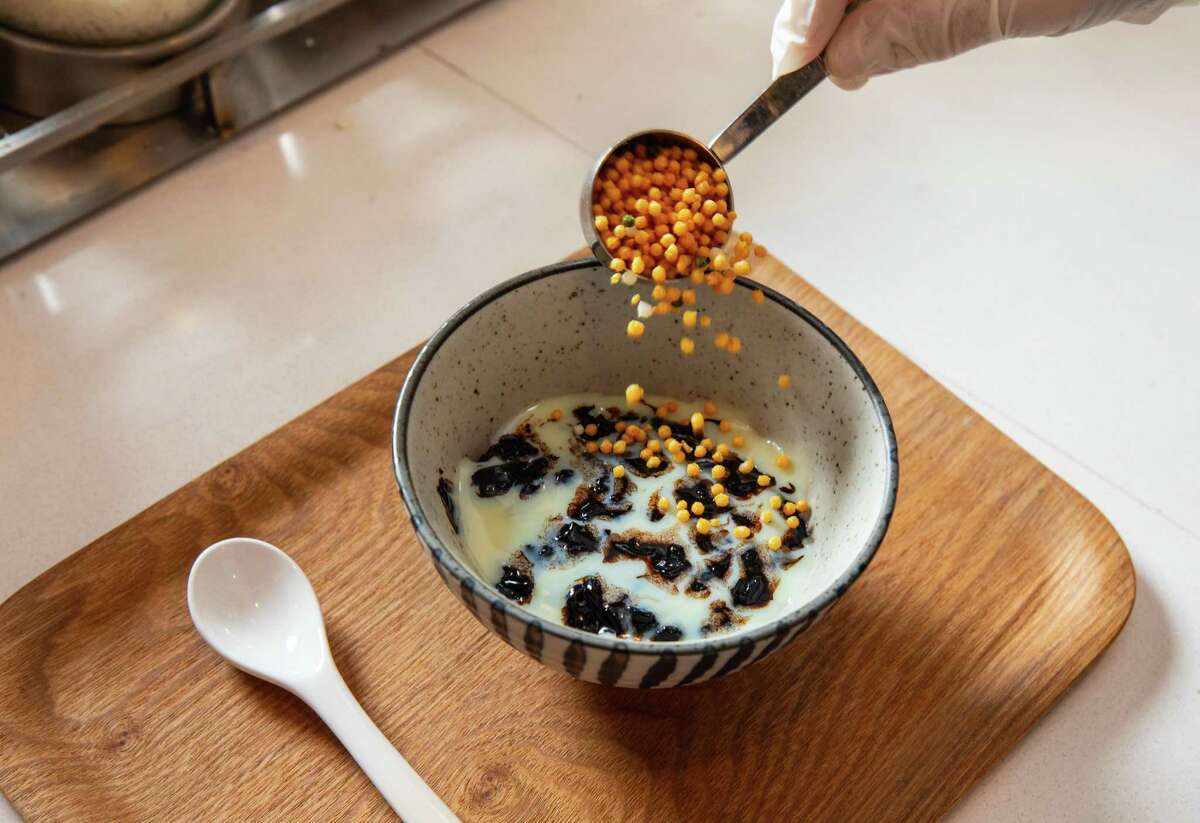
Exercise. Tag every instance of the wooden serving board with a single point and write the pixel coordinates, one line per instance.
(997, 586)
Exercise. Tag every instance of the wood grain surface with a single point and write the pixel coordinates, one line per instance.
(997, 586)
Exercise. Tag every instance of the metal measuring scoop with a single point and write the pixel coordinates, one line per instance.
(780, 96)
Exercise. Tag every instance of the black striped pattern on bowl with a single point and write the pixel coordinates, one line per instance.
(628, 665)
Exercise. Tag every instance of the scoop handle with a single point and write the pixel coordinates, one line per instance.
(403, 789)
(780, 96)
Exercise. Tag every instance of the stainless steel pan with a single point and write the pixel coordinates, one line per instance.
(40, 77)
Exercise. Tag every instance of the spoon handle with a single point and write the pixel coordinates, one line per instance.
(400, 785)
(780, 96)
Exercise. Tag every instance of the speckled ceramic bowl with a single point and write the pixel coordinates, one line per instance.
(560, 330)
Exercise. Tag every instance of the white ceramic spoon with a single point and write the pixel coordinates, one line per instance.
(255, 607)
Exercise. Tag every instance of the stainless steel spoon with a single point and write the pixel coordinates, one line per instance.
(780, 96)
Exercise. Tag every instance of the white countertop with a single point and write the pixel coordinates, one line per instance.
(1021, 221)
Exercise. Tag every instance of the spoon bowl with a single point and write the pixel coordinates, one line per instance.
(255, 607)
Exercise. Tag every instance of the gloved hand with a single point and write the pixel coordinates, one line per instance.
(882, 36)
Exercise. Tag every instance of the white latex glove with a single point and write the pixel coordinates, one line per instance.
(882, 36)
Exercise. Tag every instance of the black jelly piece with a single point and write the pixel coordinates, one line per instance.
(515, 584)
(444, 490)
(585, 605)
(639, 466)
(720, 616)
(531, 489)
(587, 415)
(751, 562)
(705, 543)
(794, 538)
(680, 431)
(634, 547)
(743, 485)
(591, 509)
(533, 470)
(642, 621)
(622, 488)
(492, 481)
(671, 562)
(697, 585)
(616, 617)
(596, 502)
(667, 633)
(744, 520)
(563, 476)
(577, 539)
(667, 560)
(790, 488)
(752, 588)
(510, 447)
(655, 512)
(697, 491)
(719, 566)
(585, 608)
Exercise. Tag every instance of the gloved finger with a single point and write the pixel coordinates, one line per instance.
(801, 31)
(883, 36)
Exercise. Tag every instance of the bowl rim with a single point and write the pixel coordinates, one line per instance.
(442, 556)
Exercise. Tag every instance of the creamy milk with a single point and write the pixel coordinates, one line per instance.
(541, 509)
